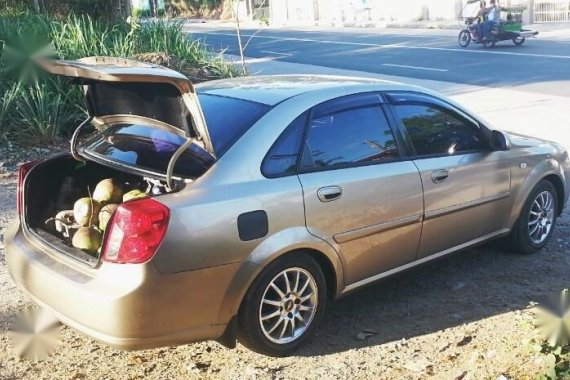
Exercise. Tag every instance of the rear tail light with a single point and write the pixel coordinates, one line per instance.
(22, 173)
(135, 232)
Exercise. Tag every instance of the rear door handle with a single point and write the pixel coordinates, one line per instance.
(438, 176)
(329, 193)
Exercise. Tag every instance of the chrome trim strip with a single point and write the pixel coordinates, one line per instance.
(465, 206)
(377, 228)
(423, 260)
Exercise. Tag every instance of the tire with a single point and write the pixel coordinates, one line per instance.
(285, 332)
(488, 43)
(522, 238)
(519, 40)
(464, 38)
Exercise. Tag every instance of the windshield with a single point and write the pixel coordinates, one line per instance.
(229, 118)
(149, 147)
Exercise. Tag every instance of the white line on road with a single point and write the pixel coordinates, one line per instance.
(414, 67)
(397, 46)
(276, 52)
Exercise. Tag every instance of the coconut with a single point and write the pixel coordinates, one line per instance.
(134, 194)
(86, 211)
(105, 215)
(87, 239)
(108, 191)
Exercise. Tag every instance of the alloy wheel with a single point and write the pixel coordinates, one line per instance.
(541, 217)
(288, 305)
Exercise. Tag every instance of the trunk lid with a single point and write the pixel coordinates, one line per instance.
(119, 86)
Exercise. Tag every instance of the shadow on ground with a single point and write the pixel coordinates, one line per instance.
(469, 286)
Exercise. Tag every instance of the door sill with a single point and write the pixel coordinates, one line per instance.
(423, 260)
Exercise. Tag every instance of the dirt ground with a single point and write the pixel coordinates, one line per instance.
(463, 317)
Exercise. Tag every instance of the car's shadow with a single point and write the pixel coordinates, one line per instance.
(469, 286)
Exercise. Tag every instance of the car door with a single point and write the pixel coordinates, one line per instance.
(360, 193)
(466, 184)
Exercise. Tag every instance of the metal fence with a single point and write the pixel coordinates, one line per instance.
(551, 10)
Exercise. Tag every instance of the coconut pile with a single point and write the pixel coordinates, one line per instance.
(86, 223)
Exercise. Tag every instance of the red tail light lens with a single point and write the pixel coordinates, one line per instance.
(22, 173)
(135, 232)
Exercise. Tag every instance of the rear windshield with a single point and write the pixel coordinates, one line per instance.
(150, 148)
(229, 118)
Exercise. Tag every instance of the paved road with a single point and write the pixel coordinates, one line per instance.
(541, 65)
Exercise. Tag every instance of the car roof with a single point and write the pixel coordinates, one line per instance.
(273, 89)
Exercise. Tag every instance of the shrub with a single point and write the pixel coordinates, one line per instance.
(36, 108)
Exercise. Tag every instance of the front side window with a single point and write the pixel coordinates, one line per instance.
(434, 130)
(350, 136)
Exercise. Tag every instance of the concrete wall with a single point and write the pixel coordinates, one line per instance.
(343, 11)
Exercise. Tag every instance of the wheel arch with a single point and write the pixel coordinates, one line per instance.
(558, 184)
(530, 183)
(283, 243)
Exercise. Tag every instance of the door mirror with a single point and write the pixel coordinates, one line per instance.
(500, 140)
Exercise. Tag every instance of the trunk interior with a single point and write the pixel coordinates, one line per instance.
(55, 185)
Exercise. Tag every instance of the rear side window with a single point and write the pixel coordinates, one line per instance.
(350, 136)
(434, 130)
(229, 118)
(282, 157)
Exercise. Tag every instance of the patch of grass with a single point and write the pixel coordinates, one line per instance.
(36, 109)
(44, 111)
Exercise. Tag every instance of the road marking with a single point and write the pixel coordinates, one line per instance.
(276, 52)
(397, 46)
(414, 67)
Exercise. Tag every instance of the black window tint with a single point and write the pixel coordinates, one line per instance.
(282, 157)
(355, 135)
(229, 118)
(434, 130)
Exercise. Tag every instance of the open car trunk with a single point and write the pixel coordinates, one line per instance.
(152, 137)
(56, 184)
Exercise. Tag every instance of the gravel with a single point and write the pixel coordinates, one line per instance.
(463, 317)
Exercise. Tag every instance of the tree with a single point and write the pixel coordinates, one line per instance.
(254, 11)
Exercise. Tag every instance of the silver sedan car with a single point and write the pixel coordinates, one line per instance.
(263, 199)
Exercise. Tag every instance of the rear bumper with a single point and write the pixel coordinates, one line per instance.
(126, 306)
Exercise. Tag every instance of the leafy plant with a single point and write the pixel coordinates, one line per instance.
(43, 112)
(36, 108)
(557, 362)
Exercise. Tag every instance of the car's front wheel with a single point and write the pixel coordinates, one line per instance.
(537, 220)
(283, 306)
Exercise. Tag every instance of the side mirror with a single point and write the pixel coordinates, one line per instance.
(500, 140)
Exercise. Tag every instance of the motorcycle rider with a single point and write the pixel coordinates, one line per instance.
(481, 15)
(493, 17)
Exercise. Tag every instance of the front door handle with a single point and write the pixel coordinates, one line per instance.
(438, 176)
(329, 193)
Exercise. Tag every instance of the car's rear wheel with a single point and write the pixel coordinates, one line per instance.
(283, 306)
(537, 220)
